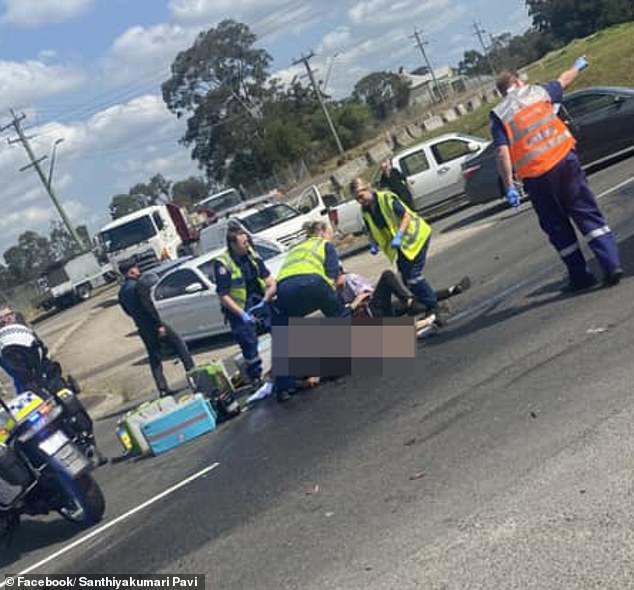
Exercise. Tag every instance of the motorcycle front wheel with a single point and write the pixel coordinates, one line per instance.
(85, 501)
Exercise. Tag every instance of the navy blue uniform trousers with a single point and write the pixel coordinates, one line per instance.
(562, 197)
(412, 274)
(297, 297)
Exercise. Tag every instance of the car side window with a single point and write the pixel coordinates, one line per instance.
(589, 103)
(266, 252)
(174, 285)
(208, 268)
(414, 163)
(451, 149)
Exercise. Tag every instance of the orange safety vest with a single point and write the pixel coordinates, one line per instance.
(538, 138)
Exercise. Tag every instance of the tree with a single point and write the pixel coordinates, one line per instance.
(382, 92)
(62, 246)
(157, 189)
(473, 64)
(125, 203)
(189, 191)
(29, 257)
(570, 19)
(220, 83)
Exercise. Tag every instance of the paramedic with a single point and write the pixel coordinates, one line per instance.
(245, 288)
(534, 142)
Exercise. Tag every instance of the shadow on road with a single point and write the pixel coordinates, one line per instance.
(33, 535)
(476, 216)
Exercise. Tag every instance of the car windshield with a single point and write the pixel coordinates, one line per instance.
(221, 202)
(268, 217)
(128, 234)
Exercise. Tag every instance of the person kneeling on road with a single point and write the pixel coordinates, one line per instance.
(307, 282)
(245, 287)
(400, 234)
(135, 299)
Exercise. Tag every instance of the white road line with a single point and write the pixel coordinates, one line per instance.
(116, 521)
(616, 187)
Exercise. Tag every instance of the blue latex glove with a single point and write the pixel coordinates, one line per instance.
(396, 240)
(247, 317)
(581, 63)
(513, 197)
(374, 249)
(256, 307)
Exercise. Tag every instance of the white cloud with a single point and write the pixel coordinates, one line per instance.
(268, 18)
(39, 12)
(335, 40)
(123, 144)
(142, 52)
(24, 83)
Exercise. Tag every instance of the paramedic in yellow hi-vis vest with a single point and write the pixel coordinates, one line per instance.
(245, 288)
(308, 282)
(532, 140)
(400, 234)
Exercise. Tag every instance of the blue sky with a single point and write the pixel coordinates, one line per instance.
(89, 71)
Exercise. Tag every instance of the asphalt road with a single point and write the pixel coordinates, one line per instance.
(502, 460)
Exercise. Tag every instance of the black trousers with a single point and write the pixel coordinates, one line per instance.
(154, 343)
(390, 286)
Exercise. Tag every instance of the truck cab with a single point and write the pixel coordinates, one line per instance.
(150, 235)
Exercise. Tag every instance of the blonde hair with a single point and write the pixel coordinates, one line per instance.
(314, 228)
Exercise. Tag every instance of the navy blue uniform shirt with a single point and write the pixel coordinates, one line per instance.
(250, 273)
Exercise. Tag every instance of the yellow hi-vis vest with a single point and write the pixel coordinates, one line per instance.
(238, 291)
(307, 258)
(415, 236)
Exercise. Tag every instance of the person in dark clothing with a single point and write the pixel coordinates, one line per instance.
(358, 294)
(245, 287)
(135, 299)
(393, 180)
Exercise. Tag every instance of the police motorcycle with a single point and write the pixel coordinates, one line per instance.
(42, 468)
(24, 355)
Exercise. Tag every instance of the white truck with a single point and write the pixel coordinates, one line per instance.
(73, 280)
(434, 170)
(150, 235)
(267, 217)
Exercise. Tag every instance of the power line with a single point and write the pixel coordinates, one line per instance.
(421, 46)
(479, 32)
(16, 123)
(305, 59)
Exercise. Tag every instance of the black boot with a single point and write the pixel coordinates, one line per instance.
(613, 277)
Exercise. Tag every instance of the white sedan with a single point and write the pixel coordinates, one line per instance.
(186, 299)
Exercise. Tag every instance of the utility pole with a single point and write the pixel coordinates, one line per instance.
(479, 32)
(305, 59)
(421, 45)
(35, 163)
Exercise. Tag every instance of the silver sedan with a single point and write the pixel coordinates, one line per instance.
(186, 299)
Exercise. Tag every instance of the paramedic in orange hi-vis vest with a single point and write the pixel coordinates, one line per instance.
(535, 143)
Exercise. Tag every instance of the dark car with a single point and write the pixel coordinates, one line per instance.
(601, 119)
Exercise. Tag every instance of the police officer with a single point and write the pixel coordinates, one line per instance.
(308, 282)
(134, 298)
(532, 140)
(401, 234)
(245, 287)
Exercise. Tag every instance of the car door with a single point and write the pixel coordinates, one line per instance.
(421, 179)
(312, 205)
(602, 123)
(449, 155)
(182, 306)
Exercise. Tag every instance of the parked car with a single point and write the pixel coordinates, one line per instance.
(601, 119)
(434, 170)
(185, 295)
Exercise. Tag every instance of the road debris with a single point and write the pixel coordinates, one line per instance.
(312, 490)
(599, 330)
(410, 442)
(417, 475)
